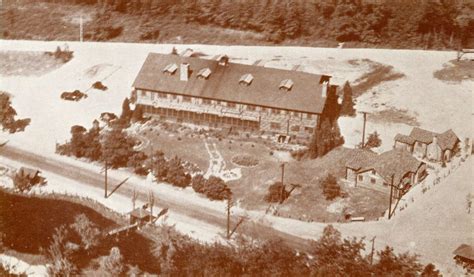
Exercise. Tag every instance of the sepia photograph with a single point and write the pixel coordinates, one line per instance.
(237, 138)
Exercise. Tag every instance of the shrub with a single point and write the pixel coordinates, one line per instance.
(277, 193)
(22, 182)
(331, 188)
(373, 141)
(245, 160)
(214, 188)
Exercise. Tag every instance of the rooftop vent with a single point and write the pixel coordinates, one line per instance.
(286, 84)
(170, 68)
(223, 60)
(204, 73)
(188, 52)
(246, 79)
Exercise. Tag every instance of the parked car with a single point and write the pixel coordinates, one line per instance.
(73, 96)
(98, 85)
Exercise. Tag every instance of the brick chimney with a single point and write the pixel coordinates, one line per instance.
(184, 72)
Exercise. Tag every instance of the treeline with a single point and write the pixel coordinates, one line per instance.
(431, 24)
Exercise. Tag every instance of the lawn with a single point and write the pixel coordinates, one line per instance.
(456, 71)
(306, 203)
(16, 63)
(28, 223)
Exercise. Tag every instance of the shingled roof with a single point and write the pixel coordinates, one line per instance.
(305, 94)
(447, 140)
(405, 139)
(465, 251)
(422, 135)
(396, 162)
(361, 159)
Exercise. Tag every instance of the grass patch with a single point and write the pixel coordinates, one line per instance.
(378, 74)
(20, 63)
(456, 71)
(28, 223)
(393, 115)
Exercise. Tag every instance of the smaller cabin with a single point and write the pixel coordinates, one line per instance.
(464, 255)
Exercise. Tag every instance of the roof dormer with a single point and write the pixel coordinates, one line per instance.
(204, 73)
(170, 68)
(286, 84)
(246, 79)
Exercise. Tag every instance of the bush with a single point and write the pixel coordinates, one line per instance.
(245, 160)
(276, 193)
(214, 188)
(331, 188)
(22, 182)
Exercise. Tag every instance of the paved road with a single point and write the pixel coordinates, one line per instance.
(93, 178)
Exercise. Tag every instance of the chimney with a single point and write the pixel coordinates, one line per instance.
(184, 72)
(324, 93)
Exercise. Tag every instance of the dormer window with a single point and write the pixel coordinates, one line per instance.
(204, 73)
(170, 68)
(223, 60)
(286, 84)
(246, 79)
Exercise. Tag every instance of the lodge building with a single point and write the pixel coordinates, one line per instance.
(219, 94)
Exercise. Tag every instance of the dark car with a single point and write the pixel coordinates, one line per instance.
(73, 96)
(98, 85)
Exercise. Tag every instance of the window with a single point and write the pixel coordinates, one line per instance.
(152, 95)
(308, 129)
(231, 105)
(206, 101)
(372, 180)
(360, 177)
(275, 125)
(275, 111)
(373, 171)
(186, 99)
(309, 116)
(161, 95)
(174, 96)
(223, 103)
(295, 128)
(264, 109)
(250, 107)
(143, 92)
(420, 144)
(297, 114)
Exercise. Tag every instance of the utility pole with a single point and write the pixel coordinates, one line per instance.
(372, 251)
(81, 30)
(105, 180)
(390, 200)
(282, 193)
(229, 205)
(363, 129)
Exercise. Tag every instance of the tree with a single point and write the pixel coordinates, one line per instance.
(430, 271)
(347, 105)
(331, 188)
(334, 256)
(117, 148)
(137, 115)
(373, 141)
(126, 112)
(59, 255)
(198, 183)
(176, 174)
(216, 189)
(396, 265)
(137, 162)
(86, 230)
(112, 265)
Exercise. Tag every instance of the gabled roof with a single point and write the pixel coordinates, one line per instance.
(422, 135)
(465, 251)
(447, 140)
(404, 139)
(361, 159)
(223, 83)
(396, 162)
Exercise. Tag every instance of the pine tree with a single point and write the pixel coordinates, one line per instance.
(347, 105)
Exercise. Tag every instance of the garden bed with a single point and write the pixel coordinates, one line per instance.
(245, 160)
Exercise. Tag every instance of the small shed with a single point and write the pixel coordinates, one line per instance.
(465, 254)
(140, 216)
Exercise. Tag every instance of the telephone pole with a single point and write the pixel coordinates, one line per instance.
(390, 200)
(372, 251)
(282, 192)
(229, 205)
(105, 180)
(363, 128)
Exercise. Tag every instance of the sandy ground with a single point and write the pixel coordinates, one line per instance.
(16, 266)
(438, 106)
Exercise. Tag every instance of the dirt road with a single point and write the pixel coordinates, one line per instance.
(95, 179)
